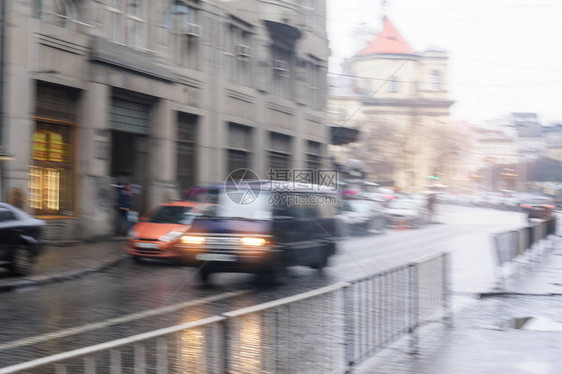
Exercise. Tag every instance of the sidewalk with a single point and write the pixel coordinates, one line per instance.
(519, 331)
(59, 263)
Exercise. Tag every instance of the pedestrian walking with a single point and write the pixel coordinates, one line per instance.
(123, 207)
(431, 206)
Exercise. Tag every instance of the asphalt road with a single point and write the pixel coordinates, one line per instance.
(134, 298)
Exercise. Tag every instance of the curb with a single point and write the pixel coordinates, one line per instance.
(72, 243)
(508, 293)
(40, 280)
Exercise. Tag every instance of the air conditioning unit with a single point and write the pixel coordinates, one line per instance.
(280, 65)
(193, 30)
(243, 50)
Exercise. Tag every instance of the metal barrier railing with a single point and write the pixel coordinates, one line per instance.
(302, 333)
(177, 349)
(384, 307)
(327, 330)
(512, 246)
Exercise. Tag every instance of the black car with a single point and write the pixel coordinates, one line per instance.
(20, 239)
(261, 228)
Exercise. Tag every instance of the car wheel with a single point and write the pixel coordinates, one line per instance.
(275, 273)
(136, 259)
(22, 260)
(322, 262)
(345, 231)
(204, 277)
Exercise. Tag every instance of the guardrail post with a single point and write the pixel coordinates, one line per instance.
(140, 358)
(500, 276)
(89, 365)
(348, 315)
(162, 356)
(226, 345)
(447, 305)
(414, 307)
(115, 361)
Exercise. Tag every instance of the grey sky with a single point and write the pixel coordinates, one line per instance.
(505, 55)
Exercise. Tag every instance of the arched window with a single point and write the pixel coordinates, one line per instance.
(180, 22)
(177, 19)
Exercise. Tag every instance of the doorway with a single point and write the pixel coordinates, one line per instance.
(129, 157)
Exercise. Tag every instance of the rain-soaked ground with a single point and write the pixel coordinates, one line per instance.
(517, 330)
(135, 298)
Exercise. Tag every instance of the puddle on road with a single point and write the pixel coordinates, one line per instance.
(534, 324)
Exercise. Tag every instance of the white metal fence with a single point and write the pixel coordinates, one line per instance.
(520, 246)
(327, 330)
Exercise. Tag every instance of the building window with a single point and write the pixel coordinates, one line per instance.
(393, 84)
(314, 155)
(186, 150)
(126, 22)
(185, 32)
(310, 12)
(282, 62)
(435, 80)
(59, 12)
(238, 55)
(51, 172)
(279, 157)
(239, 148)
(313, 82)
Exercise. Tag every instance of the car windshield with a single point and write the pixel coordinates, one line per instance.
(238, 204)
(173, 214)
(402, 204)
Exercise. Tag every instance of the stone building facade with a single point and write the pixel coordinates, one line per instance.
(400, 103)
(163, 94)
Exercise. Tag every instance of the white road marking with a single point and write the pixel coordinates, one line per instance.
(114, 321)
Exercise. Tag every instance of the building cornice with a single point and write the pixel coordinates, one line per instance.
(411, 103)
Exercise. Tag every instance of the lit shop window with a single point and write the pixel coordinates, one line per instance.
(50, 175)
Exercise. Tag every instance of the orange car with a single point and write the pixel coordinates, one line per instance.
(156, 234)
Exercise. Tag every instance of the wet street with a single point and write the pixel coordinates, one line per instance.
(134, 298)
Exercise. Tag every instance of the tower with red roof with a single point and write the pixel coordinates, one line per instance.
(406, 132)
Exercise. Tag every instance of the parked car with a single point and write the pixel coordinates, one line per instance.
(408, 212)
(361, 216)
(262, 227)
(537, 207)
(157, 233)
(20, 239)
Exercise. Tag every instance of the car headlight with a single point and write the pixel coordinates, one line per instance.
(171, 236)
(133, 234)
(191, 239)
(254, 242)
